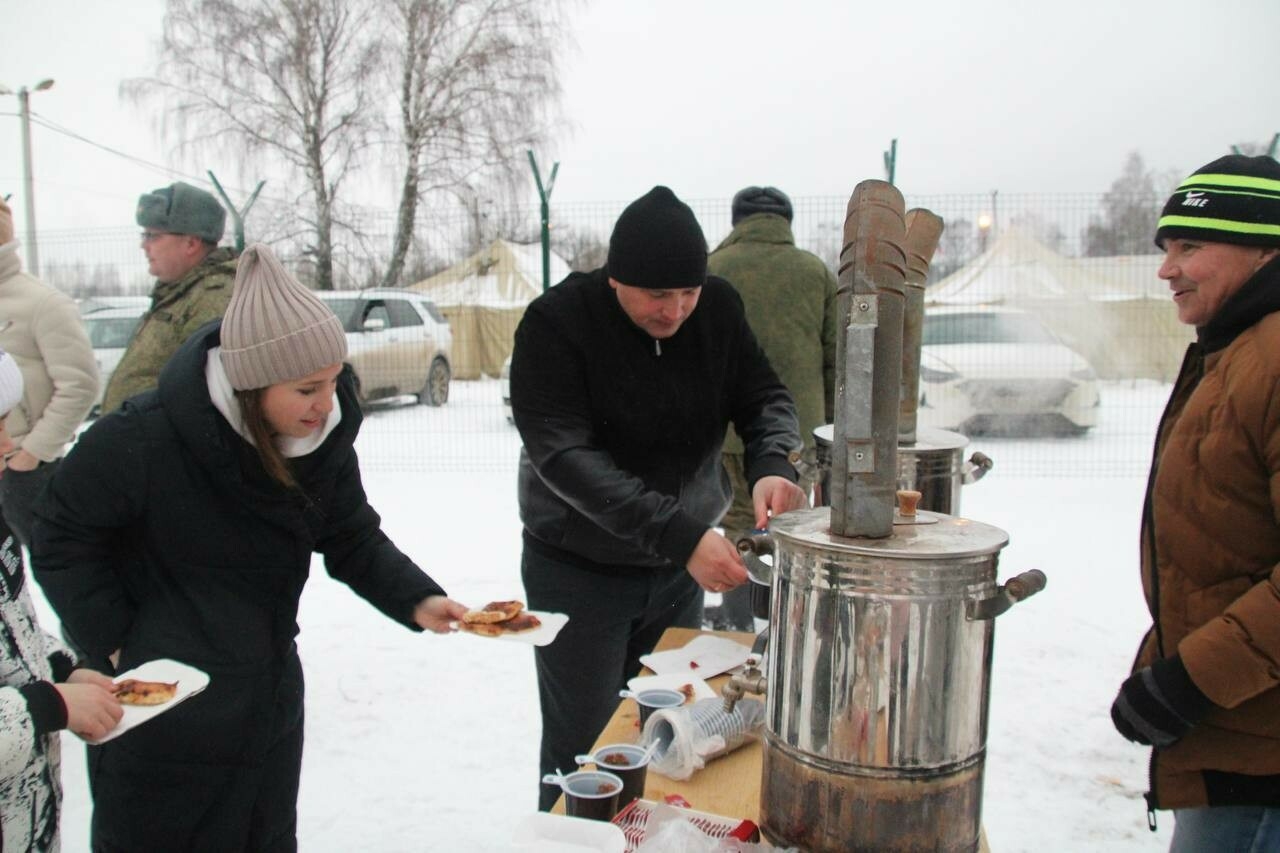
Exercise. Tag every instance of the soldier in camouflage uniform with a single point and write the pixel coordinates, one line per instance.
(181, 229)
(790, 298)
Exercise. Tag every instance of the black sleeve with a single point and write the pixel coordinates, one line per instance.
(97, 491)
(359, 554)
(44, 703)
(763, 411)
(550, 402)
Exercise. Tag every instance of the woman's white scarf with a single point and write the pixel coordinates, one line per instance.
(224, 399)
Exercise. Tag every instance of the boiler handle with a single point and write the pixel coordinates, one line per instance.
(1025, 585)
(760, 544)
(1015, 589)
(976, 468)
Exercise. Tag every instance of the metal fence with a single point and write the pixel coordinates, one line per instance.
(1110, 308)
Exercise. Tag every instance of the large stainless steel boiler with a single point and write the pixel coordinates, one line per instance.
(877, 675)
(933, 465)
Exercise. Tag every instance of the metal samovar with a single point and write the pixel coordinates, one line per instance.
(877, 675)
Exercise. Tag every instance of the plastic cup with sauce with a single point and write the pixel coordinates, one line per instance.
(591, 794)
(628, 762)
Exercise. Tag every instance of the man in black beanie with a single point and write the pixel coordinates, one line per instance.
(1205, 692)
(623, 381)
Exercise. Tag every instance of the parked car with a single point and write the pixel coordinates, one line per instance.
(999, 370)
(97, 303)
(398, 343)
(110, 330)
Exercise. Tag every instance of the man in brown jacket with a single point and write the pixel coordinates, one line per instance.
(1205, 692)
(40, 328)
(181, 227)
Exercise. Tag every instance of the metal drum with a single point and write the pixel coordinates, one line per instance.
(934, 466)
(879, 673)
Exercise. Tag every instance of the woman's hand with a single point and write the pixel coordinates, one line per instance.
(436, 613)
(92, 708)
(20, 461)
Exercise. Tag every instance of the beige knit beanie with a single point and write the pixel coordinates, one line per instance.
(6, 223)
(275, 330)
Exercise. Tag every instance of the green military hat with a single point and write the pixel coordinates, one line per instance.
(182, 209)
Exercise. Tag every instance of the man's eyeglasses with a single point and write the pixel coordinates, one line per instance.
(149, 236)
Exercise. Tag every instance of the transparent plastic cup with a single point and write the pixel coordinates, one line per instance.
(656, 699)
(628, 762)
(592, 794)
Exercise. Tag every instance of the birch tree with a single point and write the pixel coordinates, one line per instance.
(476, 84)
(284, 83)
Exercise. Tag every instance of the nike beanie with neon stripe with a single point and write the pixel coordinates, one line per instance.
(1234, 199)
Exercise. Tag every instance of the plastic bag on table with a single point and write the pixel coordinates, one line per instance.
(669, 831)
(689, 737)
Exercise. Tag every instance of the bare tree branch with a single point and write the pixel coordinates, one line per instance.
(475, 81)
(282, 82)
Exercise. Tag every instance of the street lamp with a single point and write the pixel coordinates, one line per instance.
(24, 112)
(984, 228)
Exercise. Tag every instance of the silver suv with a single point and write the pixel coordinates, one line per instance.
(398, 343)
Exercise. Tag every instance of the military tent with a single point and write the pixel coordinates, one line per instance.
(484, 298)
(1115, 311)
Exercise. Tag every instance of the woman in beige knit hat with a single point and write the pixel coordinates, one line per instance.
(182, 526)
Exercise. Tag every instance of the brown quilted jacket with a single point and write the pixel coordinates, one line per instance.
(1211, 554)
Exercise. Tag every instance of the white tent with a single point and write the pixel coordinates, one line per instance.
(1115, 311)
(484, 298)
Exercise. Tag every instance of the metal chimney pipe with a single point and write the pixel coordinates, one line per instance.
(924, 230)
(864, 453)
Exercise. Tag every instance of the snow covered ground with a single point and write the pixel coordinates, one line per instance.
(425, 743)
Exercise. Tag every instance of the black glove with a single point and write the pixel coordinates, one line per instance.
(1157, 705)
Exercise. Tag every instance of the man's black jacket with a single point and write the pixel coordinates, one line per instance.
(622, 434)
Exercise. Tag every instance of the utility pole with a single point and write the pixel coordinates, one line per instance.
(29, 191)
(544, 193)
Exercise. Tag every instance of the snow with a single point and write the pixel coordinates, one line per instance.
(426, 743)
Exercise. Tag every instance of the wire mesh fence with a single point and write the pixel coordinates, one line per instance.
(1049, 414)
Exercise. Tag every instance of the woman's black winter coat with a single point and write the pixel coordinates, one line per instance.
(162, 536)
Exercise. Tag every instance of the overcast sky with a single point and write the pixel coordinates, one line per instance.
(708, 96)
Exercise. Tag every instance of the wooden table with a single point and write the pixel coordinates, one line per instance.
(728, 786)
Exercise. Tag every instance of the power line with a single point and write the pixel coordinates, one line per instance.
(168, 171)
(156, 167)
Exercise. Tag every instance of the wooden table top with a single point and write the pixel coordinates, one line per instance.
(729, 785)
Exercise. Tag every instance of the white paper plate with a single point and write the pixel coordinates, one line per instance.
(540, 636)
(190, 682)
(672, 681)
(704, 656)
(551, 833)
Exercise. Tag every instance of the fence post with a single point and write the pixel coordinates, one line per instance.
(544, 193)
(237, 215)
(891, 161)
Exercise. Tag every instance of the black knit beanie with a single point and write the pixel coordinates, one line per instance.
(760, 200)
(658, 244)
(1234, 199)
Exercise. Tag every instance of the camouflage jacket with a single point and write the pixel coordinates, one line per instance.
(790, 297)
(177, 310)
